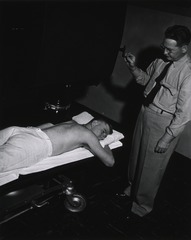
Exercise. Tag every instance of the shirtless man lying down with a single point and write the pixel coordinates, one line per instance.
(24, 146)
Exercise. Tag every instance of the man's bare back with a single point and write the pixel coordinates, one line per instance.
(67, 136)
(70, 135)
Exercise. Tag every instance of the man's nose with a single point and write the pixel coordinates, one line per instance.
(166, 51)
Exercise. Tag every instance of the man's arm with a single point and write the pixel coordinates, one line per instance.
(164, 143)
(45, 125)
(140, 76)
(181, 117)
(130, 60)
(104, 154)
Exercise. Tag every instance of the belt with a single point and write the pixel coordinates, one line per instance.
(158, 110)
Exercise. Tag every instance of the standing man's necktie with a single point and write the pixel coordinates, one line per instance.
(150, 97)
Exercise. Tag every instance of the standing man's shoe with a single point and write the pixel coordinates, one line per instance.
(122, 195)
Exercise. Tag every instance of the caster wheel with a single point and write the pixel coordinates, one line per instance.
(75, 203)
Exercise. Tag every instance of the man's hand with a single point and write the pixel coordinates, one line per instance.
(130, 60)
(164, 143)
(161, 146)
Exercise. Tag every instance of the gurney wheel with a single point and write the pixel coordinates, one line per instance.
(75, 203)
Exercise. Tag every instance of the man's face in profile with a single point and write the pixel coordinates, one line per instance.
(101, 129)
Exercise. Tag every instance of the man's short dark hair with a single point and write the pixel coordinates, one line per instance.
(181, 34)
(103, 120)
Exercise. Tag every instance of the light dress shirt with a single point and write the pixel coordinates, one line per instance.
(174, 95)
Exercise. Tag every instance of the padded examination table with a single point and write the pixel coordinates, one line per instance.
(16, 200)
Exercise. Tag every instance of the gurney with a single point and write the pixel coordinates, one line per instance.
(16, 201)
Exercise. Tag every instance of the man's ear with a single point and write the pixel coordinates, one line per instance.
(94, 123)
(184, 49)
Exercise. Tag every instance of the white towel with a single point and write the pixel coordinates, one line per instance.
(83, 117)
(78, 154)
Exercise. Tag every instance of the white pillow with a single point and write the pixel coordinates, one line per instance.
(85, 117)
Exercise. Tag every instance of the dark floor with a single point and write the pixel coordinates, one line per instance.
(104, 218)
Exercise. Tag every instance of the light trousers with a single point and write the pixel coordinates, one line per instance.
(146, 167)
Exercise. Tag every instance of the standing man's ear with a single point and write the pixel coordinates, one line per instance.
(184, 49)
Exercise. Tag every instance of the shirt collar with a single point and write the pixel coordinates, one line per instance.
(182, 60)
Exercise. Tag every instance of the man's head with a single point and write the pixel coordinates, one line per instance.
(100, 128)
(176, 41)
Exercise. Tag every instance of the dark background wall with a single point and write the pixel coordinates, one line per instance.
(81, 40)
(55, 49)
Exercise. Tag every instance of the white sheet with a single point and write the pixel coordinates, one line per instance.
(78, 154)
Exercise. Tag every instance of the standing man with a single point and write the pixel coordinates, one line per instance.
(165, 112)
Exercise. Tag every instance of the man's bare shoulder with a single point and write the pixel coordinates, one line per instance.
(79, 130)
(68, 124)
(72, 127)
(72, 122)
